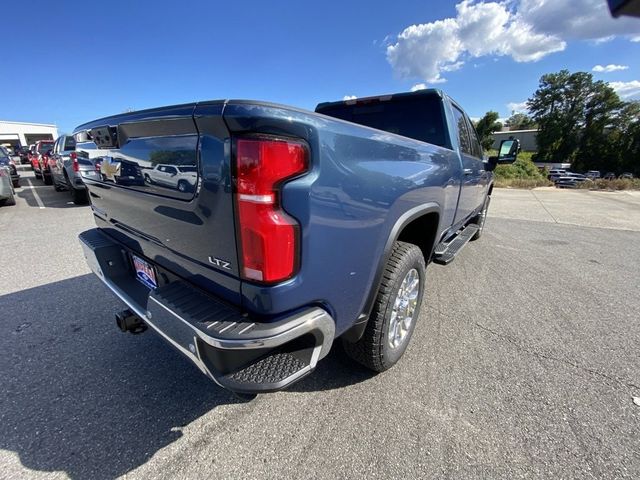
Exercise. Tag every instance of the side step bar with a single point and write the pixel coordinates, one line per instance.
(446, 252)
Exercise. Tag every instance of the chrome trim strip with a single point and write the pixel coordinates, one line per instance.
(256, 198)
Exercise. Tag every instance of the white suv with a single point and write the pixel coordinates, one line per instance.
(181, 177)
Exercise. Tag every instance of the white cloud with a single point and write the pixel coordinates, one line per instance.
(609, 68)
(525, 30)
(479, 29)
(627, 90)
(576, 19)
(418, 86)
(635, 39)
(518, 107)
(349, 97)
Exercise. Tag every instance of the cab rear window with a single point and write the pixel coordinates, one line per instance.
(417, 117)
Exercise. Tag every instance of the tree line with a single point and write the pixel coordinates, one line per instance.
(581, 121)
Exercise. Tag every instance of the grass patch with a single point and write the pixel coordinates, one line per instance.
(527, 183)
(615, 184)
(520, 174)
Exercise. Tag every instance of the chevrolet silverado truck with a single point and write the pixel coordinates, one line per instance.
(301, 227)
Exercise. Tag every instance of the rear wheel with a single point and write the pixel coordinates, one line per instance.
(183, 186)
(47, 179)
(78, 196)
(395, 312)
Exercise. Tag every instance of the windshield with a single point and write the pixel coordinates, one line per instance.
(417, 117)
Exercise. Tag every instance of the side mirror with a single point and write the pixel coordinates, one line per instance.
(508, 151)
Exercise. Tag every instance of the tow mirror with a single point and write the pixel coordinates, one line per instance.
(508, 151)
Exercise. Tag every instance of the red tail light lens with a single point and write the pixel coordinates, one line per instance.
(74, 159)
(269, 237)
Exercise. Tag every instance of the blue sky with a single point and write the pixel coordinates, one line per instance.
(79, 61)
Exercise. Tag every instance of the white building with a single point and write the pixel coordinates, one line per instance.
(527, 138)
(24, 134)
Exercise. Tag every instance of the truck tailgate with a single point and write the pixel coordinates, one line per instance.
(164, 191)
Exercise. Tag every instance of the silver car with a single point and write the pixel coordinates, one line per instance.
(68, 169)
(7, 193)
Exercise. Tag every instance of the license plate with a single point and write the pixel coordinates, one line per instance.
(144, 272)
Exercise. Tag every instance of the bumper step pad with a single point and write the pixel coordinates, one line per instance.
(239, 353)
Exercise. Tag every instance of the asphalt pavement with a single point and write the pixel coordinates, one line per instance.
(524, 364)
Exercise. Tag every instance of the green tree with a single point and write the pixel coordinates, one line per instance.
(625, 139)
(571, 111)
(485, 127)
(598, 147)
(520, 121)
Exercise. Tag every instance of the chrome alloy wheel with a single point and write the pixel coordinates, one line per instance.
(404, 308)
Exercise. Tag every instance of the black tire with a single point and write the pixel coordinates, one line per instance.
(79, 197)
(147, 179)
(16, 184)
(481, 218)
(183, 186)
(11, 200)
(47, 179)
(374, 349)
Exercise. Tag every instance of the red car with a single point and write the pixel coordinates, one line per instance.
(39, 158)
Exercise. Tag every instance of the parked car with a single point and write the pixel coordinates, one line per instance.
(592, 174)
(23, 153)
(179, 177)
(306, 227)
(32, 155)
(609, 176)
(569, 180)
(556, 173)
(627, 175)
(7, 161)
(68, 169)
(40, 160)
(7, 192)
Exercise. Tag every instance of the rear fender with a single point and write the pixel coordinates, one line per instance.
(357, 330)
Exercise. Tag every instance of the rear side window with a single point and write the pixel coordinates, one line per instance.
(69, 144)
(463, 133)
(475, 142)
(417, 117)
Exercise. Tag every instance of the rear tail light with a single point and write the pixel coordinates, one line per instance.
(74, 161)
(269, 237)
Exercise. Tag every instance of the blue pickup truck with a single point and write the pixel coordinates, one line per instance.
(297, 228)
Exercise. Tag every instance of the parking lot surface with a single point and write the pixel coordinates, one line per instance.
(524, 364)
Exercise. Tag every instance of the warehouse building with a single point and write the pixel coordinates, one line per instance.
(16, 134)
(527, 138)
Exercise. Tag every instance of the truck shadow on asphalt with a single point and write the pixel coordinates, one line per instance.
(81, 398)
(49, 198)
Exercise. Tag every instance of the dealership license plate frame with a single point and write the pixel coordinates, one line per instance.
(145, 272)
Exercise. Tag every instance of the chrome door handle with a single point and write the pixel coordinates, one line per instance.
(467, 171)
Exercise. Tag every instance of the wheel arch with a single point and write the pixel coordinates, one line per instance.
(419, 226)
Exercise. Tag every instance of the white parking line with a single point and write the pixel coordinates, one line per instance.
(35, 194)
